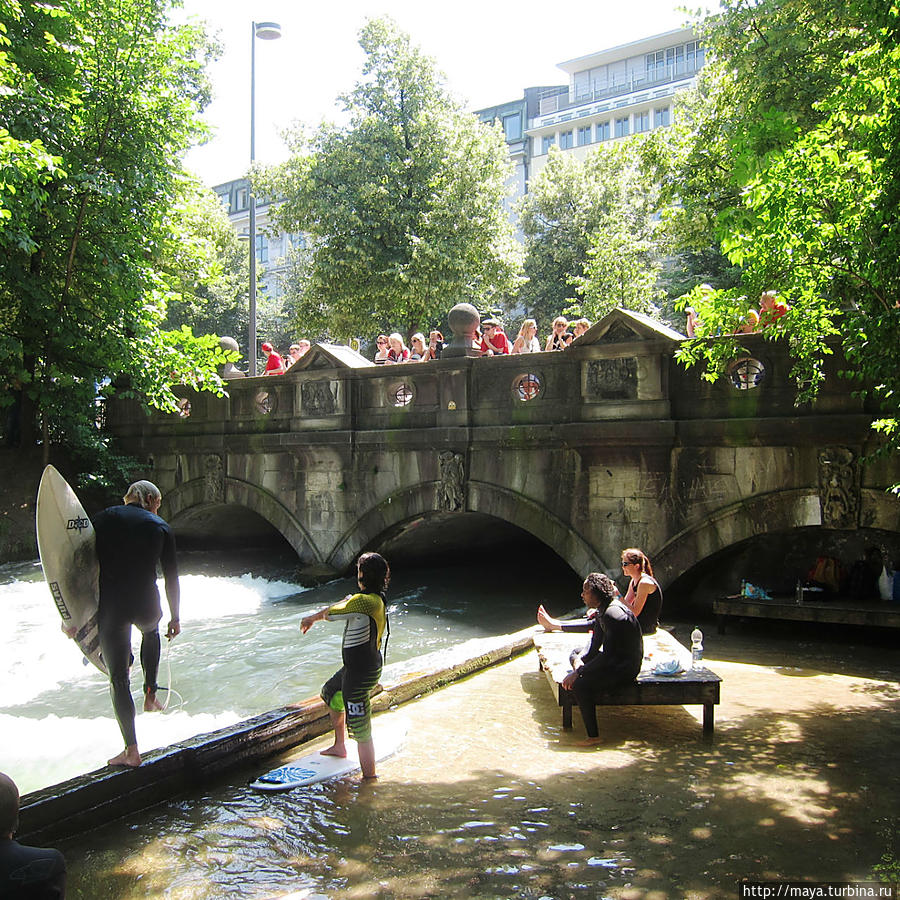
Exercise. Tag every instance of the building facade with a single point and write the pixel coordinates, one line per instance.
(611, 94)
(272, 245)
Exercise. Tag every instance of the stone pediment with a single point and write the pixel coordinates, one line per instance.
(328, 356)
(622, 326)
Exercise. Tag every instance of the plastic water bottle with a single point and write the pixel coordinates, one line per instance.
(696, 648)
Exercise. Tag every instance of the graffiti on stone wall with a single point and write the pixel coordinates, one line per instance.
(612, 379)
(451, 490)
(839, 487)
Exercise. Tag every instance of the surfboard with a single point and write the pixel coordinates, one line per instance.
(313, 767)
(67, 546)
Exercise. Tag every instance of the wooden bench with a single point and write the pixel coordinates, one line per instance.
(693, 686)
(836, 612)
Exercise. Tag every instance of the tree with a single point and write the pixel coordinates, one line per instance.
(589, 231)
(111, 92)
(817, 219)
(208, 268)
(403, 208)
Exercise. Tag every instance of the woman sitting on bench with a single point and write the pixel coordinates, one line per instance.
(644, 595)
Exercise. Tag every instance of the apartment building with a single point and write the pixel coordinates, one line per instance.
(611, 94)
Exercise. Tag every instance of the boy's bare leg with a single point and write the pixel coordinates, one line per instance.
(339, 747)
(367, 758)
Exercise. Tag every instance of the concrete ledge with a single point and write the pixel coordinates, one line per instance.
(96, 798)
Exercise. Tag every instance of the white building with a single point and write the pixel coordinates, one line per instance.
(611, 94)
(272, 245)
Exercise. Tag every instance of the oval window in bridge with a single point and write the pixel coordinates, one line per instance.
(526, 387)
(746, 373)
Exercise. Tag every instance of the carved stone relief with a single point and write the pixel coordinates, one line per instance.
(839, 487)
(214, 486)
(617, 333)
(318, 398)
(451, 491)
(612, 379)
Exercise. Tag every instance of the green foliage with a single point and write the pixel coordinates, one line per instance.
(403, 207)
(107, 93)
(808, 93)
(588, 230)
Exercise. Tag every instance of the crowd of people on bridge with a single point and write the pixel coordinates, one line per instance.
(771, 309)
(490, 339)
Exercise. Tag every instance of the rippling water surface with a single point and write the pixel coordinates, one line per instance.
(240, 653)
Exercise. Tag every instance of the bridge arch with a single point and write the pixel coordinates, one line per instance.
(486, 499)
(192, 497)
(774, 513)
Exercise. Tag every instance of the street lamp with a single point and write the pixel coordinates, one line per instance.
(267, 31)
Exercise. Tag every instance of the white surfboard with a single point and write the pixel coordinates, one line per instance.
(67, 546)
(313, 767)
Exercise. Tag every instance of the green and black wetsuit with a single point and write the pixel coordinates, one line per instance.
(350, 687)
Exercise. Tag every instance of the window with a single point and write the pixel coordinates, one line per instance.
(262, 248)
(241, 200)
(656, 65)
(565, 140)
(584, 135)
(603, 131)
(547, 142)
(641, 122)
(661, 117)
(694, 54)
(622, 127)
(512, 127)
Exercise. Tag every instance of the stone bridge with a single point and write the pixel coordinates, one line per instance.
(606, 445)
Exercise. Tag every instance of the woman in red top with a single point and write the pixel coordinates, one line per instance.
(274, 362)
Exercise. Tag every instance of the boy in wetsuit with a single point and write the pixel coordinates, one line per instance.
(348, 691)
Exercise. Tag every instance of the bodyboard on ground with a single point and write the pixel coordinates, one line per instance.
(313, 767)
(67, 546)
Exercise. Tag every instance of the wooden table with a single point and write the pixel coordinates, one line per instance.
(837, 611)
(693, 686)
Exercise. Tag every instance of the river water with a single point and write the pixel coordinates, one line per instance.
(488, 798)
(240, 652)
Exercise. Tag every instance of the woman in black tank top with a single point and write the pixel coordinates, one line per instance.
(644, 595)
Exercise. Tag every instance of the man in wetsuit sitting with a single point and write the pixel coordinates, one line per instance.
(614, 654)
(348, 691)
(131, 540)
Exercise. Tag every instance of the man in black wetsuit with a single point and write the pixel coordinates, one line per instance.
(614, 655)
(26, 873)
(131, 540)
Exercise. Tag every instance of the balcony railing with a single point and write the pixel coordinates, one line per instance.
(551, 103)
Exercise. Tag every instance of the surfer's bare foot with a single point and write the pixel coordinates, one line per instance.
(338, 750)
(151, 704)
(128, 757)
(589, 742)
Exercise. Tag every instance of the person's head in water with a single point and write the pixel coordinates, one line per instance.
(373, 573)
(145, 494)
(9, 806)
(598, 591)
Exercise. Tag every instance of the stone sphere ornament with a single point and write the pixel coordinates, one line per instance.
(464, 320)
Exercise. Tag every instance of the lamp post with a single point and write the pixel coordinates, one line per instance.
(267, 31)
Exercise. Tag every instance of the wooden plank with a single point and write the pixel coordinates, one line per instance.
(873, 615)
